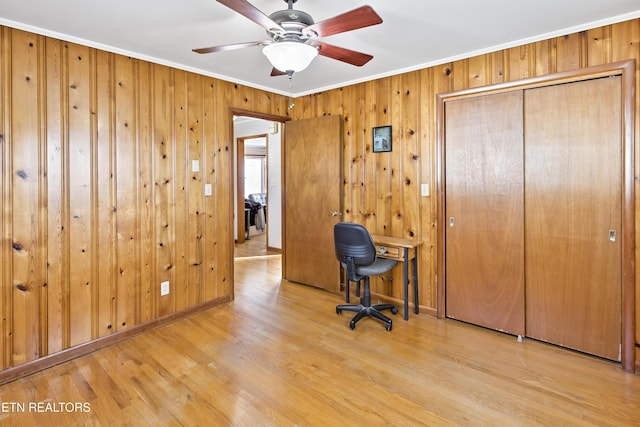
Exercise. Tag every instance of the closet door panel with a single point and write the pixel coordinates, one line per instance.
(484, 247)
(573, 205)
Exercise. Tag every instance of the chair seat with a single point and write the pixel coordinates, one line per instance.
(381, 265)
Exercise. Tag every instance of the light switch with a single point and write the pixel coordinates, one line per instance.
(195, 165)
(424, 190)
(164, 288)
(207, 189)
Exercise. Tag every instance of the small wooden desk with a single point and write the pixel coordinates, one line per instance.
(403, 250)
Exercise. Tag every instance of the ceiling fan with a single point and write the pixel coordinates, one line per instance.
(294, 36)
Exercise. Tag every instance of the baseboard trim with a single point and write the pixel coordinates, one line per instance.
(42, 363)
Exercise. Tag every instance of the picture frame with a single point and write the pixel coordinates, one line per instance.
(382, 139)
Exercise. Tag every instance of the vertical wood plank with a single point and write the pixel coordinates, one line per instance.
(459, 76)
(497, 60)
(127, 217)
(24, 197)
(195, 185)
(222, 170)
(369, 189)
(479, 71)
(5, 247)
(164, 184)
(518, 62)
(598, 46)
(349, 154)
(181, 194)
(223, 188)
(41, 245)
(149, 286)
(396, 170)
(212, 236)
(78, 173)
(362, 146)
(410, 157)
(570, 54)
(106, 193)
(56, 195)
(544, 61)
(427, 173)
(393, 219)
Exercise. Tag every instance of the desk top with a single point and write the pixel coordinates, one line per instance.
(396, 241)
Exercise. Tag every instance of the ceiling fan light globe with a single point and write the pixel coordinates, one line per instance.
(290, 56)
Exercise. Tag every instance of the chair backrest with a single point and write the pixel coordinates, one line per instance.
(354, 242)
(258, 197)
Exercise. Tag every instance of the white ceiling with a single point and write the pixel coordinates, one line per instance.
(415, 33)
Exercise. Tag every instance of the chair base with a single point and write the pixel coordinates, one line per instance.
(371, 310)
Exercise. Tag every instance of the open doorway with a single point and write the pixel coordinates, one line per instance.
(258, 218)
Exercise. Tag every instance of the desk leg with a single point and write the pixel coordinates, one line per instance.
(406, 283)
(415, 283)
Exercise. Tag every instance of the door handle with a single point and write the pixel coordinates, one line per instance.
(336, 213)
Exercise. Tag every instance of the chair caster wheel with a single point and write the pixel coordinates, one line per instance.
(352, 325)
(388, 327)
(338, 311)
(394, 310)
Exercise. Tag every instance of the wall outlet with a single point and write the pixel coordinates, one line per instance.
(195, 165)
(164, 288)
(207, 190)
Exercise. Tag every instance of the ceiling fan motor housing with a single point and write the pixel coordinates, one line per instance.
(293, 22)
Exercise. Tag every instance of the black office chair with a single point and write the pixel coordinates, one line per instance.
(356, 250)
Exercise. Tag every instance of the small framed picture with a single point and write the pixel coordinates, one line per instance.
(381, 139)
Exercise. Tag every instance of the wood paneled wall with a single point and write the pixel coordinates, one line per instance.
(99, 202)
(382, 190)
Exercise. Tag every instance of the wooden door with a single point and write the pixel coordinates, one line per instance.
(313, 192)
(573, 174)
(484, 211)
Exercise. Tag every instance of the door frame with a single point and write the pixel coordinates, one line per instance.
(232, 194)
(240, 156)
(625, 69)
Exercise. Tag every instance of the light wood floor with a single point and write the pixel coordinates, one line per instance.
(256, 245)
(280, 356)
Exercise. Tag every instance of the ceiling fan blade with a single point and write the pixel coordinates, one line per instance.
(227, 47)
(275, 72)
(246, 9)
(361, 17)
(341, 54)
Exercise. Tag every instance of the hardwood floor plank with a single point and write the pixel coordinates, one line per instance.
(280, 356)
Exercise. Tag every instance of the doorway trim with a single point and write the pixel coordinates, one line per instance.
(232, 195)
(625, 69)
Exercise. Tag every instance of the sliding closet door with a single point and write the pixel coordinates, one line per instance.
(484, 246)
(573, 140)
